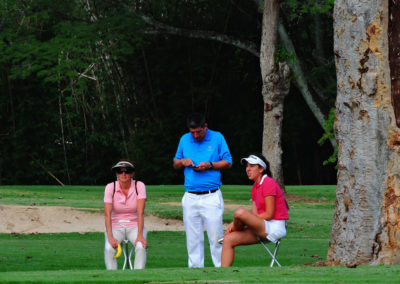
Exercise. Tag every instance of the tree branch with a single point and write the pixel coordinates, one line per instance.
(300, 80)
(161, 28)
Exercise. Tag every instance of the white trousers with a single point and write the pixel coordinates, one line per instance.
(125, 234)
(199, 212)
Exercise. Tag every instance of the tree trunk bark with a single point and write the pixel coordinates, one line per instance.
(275, 78)
(365, 228)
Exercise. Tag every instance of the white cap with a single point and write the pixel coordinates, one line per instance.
(254, 160)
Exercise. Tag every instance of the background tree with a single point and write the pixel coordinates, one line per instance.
(365, 227)
(274, 76)
(84, 83)
(275, 79)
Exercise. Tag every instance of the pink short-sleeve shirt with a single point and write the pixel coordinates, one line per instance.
(268, 187)
(124, 208)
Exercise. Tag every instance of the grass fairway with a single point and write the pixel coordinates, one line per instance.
(166, 250)
(362, 274)
(79, 257)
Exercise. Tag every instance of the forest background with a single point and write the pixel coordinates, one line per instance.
(84, 83)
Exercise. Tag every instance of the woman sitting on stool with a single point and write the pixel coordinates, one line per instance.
(124, 201)
(269, 211)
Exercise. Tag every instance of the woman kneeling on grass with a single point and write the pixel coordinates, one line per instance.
(124, 202)
(269, 211)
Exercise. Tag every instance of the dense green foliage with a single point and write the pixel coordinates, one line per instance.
(329, 133)
(83, 83)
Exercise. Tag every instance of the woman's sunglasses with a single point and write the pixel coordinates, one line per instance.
(127, 171)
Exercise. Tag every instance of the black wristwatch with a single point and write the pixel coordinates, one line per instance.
(211, 166)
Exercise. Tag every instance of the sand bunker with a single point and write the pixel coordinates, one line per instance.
(58, 219)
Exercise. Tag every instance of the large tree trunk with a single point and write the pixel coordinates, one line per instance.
(365, 228)
(275, 78)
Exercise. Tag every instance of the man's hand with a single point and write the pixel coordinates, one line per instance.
(187, 162)
(202, 167)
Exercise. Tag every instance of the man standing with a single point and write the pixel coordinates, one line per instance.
(202, 153)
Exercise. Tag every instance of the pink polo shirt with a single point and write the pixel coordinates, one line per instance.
(268, 187)
(124, 208)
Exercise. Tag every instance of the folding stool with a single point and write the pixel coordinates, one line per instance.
(264, 243)
(125, 248)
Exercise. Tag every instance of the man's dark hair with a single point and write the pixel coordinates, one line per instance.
(195, 120)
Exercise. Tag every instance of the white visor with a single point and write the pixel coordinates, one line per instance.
(254, 160)
(123, 164)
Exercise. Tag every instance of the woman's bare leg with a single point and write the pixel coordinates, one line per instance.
(247, 227)
(245, 219)
(232, 240)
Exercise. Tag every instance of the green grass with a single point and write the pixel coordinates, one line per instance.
(319, 193)
(92, 196)
(162, 200)
(73, 196)
(362, 274)
(166, 249)
(79, 257)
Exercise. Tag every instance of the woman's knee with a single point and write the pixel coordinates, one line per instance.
(240, 213)
(230, 240)
(139, 246)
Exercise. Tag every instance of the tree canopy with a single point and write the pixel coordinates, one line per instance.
(84, 83)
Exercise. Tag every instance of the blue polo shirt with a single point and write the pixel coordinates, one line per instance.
(212, 148)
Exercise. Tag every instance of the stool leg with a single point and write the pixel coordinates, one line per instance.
(125, 256)
(274, 255)
(130, 257)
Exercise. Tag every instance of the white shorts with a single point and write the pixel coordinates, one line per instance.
(275, 229)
